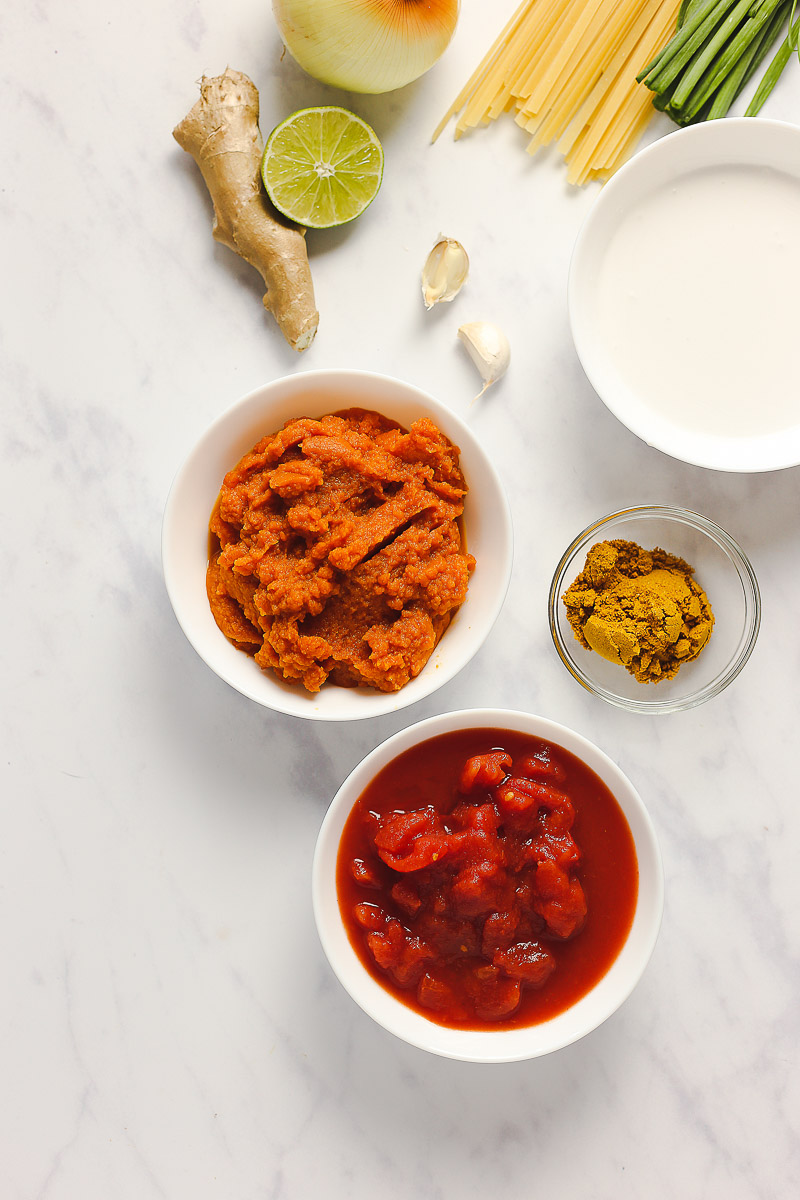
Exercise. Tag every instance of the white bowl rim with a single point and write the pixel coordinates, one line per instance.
(737, 558)
(736, 141)
(500, 1045)
(349, 703)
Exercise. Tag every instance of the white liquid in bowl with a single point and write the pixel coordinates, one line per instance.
(698, 300)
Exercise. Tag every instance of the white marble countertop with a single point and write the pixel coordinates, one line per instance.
(170, 1025)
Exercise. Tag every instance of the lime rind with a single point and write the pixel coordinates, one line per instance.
(322, 166)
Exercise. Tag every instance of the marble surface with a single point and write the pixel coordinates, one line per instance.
(170, 1027)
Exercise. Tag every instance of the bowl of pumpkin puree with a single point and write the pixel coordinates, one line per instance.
(337, 545)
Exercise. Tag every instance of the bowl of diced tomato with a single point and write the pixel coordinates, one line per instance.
(487, 885)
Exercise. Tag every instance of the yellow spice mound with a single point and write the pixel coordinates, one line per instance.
(641, 608)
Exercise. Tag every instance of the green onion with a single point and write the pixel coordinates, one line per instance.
(720, 57)
(775, 69)
(712, 53)
(677, 52)
(716, 49)
(748, 64)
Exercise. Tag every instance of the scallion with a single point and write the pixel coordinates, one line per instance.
(775, 69)
(716, 49)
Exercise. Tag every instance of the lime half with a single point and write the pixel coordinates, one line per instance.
(322, 166)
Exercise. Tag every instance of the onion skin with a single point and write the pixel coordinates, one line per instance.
(366, 45)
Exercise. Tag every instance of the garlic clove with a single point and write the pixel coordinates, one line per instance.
(445, 271)
(488, 348)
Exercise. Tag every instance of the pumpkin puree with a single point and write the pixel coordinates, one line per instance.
(336, 551)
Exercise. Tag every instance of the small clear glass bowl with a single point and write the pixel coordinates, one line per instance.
(720, 567)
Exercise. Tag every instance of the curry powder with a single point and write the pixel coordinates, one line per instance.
(640, 608)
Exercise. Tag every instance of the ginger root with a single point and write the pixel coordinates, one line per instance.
(221, 133)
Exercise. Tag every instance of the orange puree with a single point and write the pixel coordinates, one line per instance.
(336, 551)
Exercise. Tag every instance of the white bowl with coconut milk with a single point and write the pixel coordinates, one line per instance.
(683, 294)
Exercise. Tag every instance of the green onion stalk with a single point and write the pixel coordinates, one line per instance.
(716, 49)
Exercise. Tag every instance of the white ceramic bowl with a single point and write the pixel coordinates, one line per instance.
(487, 525)
(496, 1045)
(662, 170)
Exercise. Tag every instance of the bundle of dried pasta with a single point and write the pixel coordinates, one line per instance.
(568, 68)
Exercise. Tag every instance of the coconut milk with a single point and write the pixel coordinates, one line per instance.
(698, 301)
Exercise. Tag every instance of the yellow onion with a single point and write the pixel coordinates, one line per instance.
(366, 45)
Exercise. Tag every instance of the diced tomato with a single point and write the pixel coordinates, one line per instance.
(406, 897)
(369, 916)
(484, 770)
(499, 930)
(413, 959)
(365, 874)
(495, 996)
(543, 766)
(436, 994)
(528, 962)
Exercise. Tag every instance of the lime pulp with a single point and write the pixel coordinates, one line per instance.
(322, 166)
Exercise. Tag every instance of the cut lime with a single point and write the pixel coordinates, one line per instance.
(322, 166)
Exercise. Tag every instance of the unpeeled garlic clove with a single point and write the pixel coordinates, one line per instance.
(488, 348)
(445, 271)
